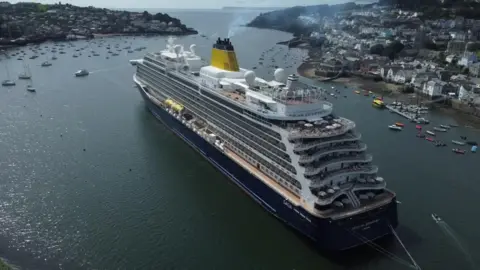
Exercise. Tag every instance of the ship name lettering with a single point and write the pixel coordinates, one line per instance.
(287, 204)
(366, 224)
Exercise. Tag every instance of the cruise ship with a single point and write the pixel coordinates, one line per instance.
(278, 140)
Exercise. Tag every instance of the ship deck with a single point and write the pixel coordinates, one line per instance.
(295, 200)
(291, 197)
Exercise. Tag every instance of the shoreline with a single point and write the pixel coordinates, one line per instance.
(391, 91)
(92, 36)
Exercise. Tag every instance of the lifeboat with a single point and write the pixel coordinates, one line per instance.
(169, 102)
(177, 107)
(398, 124)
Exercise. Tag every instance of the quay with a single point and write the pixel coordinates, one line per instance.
(410, 116)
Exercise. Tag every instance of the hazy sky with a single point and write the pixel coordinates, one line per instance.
(187, 3)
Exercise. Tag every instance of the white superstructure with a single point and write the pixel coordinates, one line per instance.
(283, 129)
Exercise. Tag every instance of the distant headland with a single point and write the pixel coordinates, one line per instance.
(24, 23)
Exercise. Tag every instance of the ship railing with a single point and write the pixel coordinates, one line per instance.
(321, 132)
(347, 137)
(357, 169)
(370, 185)
(310, 171)
(358, 147)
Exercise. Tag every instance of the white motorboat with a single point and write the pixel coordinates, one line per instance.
(81, 73)
(395, 127)
(31, 88)
(8, 83)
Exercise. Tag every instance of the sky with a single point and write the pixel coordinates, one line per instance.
(187, 4)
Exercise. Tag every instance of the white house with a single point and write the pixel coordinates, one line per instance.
(433, 87)
(403, 76)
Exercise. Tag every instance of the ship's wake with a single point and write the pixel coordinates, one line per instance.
(454, 237)
(108, 69)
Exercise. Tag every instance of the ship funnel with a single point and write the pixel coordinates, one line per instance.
(223, 55)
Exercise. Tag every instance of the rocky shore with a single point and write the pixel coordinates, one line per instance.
(24, 23)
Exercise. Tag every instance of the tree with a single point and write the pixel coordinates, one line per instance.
(377, 49)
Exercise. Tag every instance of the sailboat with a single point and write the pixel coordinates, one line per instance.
(30, 87)
(26, 72)
(8, 81)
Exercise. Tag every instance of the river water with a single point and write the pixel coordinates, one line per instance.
(90, 180)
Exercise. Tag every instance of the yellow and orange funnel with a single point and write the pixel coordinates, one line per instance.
(223, 55)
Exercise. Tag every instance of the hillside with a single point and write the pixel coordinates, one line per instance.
(298, 20)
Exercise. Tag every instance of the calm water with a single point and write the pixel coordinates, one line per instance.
(90, 180)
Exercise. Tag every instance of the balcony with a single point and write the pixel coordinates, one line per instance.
(356, 158)
(350, 137)
(318, 182)
(319, 130)
(354, 147)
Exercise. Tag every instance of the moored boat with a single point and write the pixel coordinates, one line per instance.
(420, 135)
(458, 142)
(430, 132)
(394, 127)
(418, 127)
(430, 139)
(398, 124)
(445, 126)
(378, 103)
(458, 151)
(440, 129)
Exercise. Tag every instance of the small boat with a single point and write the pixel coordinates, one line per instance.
(472, 143)
(398, 124)
(357, 92)
(394, 127)
(420, 135)
(8, 83)
(445, 126)
(81, 73)
(430, 132)
(440, 129)
(422, 121)
(378, 103)
(453, 125)
(24, 76)
(46, 64)
(474, 149)
(436, 218)
(418, 127)
(463, 137)
(54, 58)
(440, 143)
(31, 88)
(458, 151)
(458, 142)
(430, 139)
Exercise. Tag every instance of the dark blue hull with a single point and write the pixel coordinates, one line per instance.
(327, 234)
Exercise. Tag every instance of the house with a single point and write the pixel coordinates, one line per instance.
(468, 92)
(388, 72)
(421, 77)
(403, 76)
(434, 88)
(474, 70)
